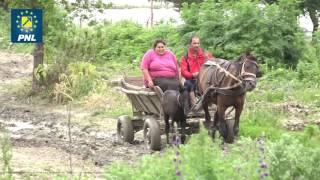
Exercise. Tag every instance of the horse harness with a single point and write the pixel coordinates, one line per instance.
(222, 66)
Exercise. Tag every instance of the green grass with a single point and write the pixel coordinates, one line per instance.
(113, 70)
(258, 121)
(307, 95)
(201, 158)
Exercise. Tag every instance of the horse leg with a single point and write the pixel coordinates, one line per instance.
(167, 126)
(222, 122)
(206, 113)
(214, 126)
(215, 120)
(237, 119)
(183, 130)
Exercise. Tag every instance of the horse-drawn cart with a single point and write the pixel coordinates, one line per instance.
(147, 114)
(220, 82)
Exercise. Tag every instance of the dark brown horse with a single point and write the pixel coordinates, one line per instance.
(225, 84)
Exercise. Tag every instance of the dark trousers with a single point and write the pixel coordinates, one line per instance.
(167, 83)
(190, 85)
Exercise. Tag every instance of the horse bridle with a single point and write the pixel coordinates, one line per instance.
(247, 76)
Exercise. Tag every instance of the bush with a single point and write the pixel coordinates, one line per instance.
(289, 159)
(5, 156)
(309, 65)
(199, 159)
(228, 28)
(81, 78)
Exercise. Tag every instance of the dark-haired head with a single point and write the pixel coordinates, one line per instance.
(194, 42)
(193, 37)
(159, 46)
(158, 41)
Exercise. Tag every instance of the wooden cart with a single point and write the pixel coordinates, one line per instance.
(147, 114)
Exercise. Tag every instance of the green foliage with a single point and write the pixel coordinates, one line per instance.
(309, 66)
(289, 159)
(228, 28)
(5, 35)
(123, 42)
(84, 78)
(285, 158)
(200, 159)
(256, 122)
(4, 30)
(41, 72)
(6, 157)
(81, 78)
(179, 3)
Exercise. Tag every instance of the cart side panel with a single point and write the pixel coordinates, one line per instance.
(152, 102)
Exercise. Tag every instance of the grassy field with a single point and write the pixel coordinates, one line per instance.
(280, 115)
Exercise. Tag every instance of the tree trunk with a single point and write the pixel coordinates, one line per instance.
(151, 19)
(315, 20)
(37, 60)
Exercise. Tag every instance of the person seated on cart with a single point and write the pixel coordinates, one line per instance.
(190, 65)
(159, 67)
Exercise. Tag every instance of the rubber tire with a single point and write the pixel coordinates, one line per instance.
(124, 125)
(230, 135)
(154, 140)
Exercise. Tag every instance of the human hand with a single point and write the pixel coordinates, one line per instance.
(150, 83)
(195, 74)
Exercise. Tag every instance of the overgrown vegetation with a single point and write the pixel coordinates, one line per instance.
(284, 158)
(6, 156)
(80, 63)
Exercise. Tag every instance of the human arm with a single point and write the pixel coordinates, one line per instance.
(145, 66)
(147, 77)
(184, 69)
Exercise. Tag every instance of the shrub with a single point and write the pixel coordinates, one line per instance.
(228, 28)
(289, 159)
(81, 78)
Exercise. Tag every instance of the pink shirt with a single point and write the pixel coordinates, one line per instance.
(160, 65)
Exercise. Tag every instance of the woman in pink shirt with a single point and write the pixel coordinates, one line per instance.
(159, 67)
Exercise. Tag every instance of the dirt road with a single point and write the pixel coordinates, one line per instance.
(40, 133)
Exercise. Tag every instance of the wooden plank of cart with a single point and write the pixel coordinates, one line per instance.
(147, 114)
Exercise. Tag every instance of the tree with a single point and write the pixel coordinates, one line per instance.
(55, 22)
(229, 28)
(178, 3)
(311, 7)
(38, 54)
(5, 4)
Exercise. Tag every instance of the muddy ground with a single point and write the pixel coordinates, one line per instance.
(39, 132)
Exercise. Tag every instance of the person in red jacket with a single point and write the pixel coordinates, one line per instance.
(190, 65)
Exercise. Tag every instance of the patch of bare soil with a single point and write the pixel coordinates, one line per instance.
(41, 137)
(295, 108)
(14, 66)
(299, 112)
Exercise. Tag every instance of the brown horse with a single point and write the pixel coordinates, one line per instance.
(225, 84)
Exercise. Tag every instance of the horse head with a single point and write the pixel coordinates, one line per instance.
(250, 71)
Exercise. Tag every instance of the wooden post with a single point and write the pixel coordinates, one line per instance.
(37, 60)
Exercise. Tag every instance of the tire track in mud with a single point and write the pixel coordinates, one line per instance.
(31, 125)
(35, 128)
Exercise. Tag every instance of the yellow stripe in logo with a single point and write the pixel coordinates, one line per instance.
(26, 21)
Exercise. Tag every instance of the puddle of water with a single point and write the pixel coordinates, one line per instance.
(17, 126)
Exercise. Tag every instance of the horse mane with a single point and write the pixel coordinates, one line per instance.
(246, 55)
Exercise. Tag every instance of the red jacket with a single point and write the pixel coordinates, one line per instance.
(194, 64)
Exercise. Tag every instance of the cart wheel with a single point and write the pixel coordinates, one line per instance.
(230, 135)
(151, 134)
(125, 129)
